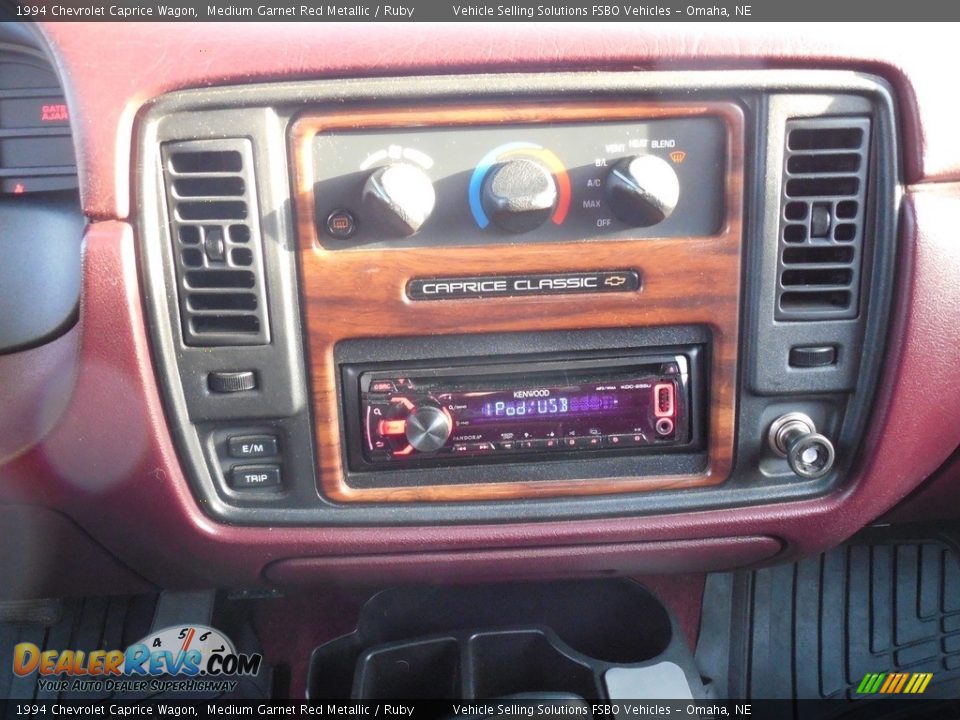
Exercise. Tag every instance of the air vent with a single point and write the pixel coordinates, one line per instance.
(36, 150)
(822, 218)
(215, 231)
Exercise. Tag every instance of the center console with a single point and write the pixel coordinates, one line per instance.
(518, 297)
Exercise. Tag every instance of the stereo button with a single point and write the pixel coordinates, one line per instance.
(383, 386)
(586, 441)
(626, 440)
(539, 444)
(252, 446)
(427, 428)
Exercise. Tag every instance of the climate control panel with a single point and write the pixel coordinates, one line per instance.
(453, 185)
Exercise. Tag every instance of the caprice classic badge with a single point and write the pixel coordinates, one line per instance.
(463, 288)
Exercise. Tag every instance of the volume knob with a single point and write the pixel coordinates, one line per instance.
(643, 190)
(428, 428)
(400, 196)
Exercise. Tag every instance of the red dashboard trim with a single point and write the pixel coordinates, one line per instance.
(110, 462)
(105, 90)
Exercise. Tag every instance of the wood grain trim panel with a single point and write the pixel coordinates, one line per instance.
(360, 293)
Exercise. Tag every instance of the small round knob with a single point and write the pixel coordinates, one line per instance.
(400, 196)
(231, 382)
(519, 195)
(428, 428)
(809, 454)
(643, 190)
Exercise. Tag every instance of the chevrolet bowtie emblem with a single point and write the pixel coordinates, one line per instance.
(615, 280)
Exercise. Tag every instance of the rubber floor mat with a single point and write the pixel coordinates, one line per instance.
(820, 627)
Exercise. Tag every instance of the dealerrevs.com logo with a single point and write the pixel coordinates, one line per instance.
(193, 658)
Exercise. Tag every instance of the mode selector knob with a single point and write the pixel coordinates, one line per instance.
(519, 195)
(428, 428)
(400, 196)
(643, 190)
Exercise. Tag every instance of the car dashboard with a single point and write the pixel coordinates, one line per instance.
(350, 307)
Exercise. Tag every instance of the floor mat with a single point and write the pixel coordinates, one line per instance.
(881, 605)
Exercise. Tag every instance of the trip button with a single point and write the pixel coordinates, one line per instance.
(252, 446)
(253, 477)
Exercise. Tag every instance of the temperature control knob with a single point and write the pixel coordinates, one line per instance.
(519, 195)
(428, 428)
(643, 190)
(400, 196)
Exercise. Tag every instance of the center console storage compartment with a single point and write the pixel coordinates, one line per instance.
(495, 641)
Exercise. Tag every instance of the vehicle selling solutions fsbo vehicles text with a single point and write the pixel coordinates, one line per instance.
(603, 10)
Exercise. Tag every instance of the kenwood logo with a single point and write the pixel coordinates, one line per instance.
(543, 392)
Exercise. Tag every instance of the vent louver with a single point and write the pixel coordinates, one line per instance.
(215, 231)
(822, 218)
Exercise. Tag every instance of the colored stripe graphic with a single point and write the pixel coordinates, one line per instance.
(865, 683)
(894, 683)
(921, 685)
(904, 677)
(901, 681)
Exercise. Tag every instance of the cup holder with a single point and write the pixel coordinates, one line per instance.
(524, 661)
(495, 641)
(428, 670)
